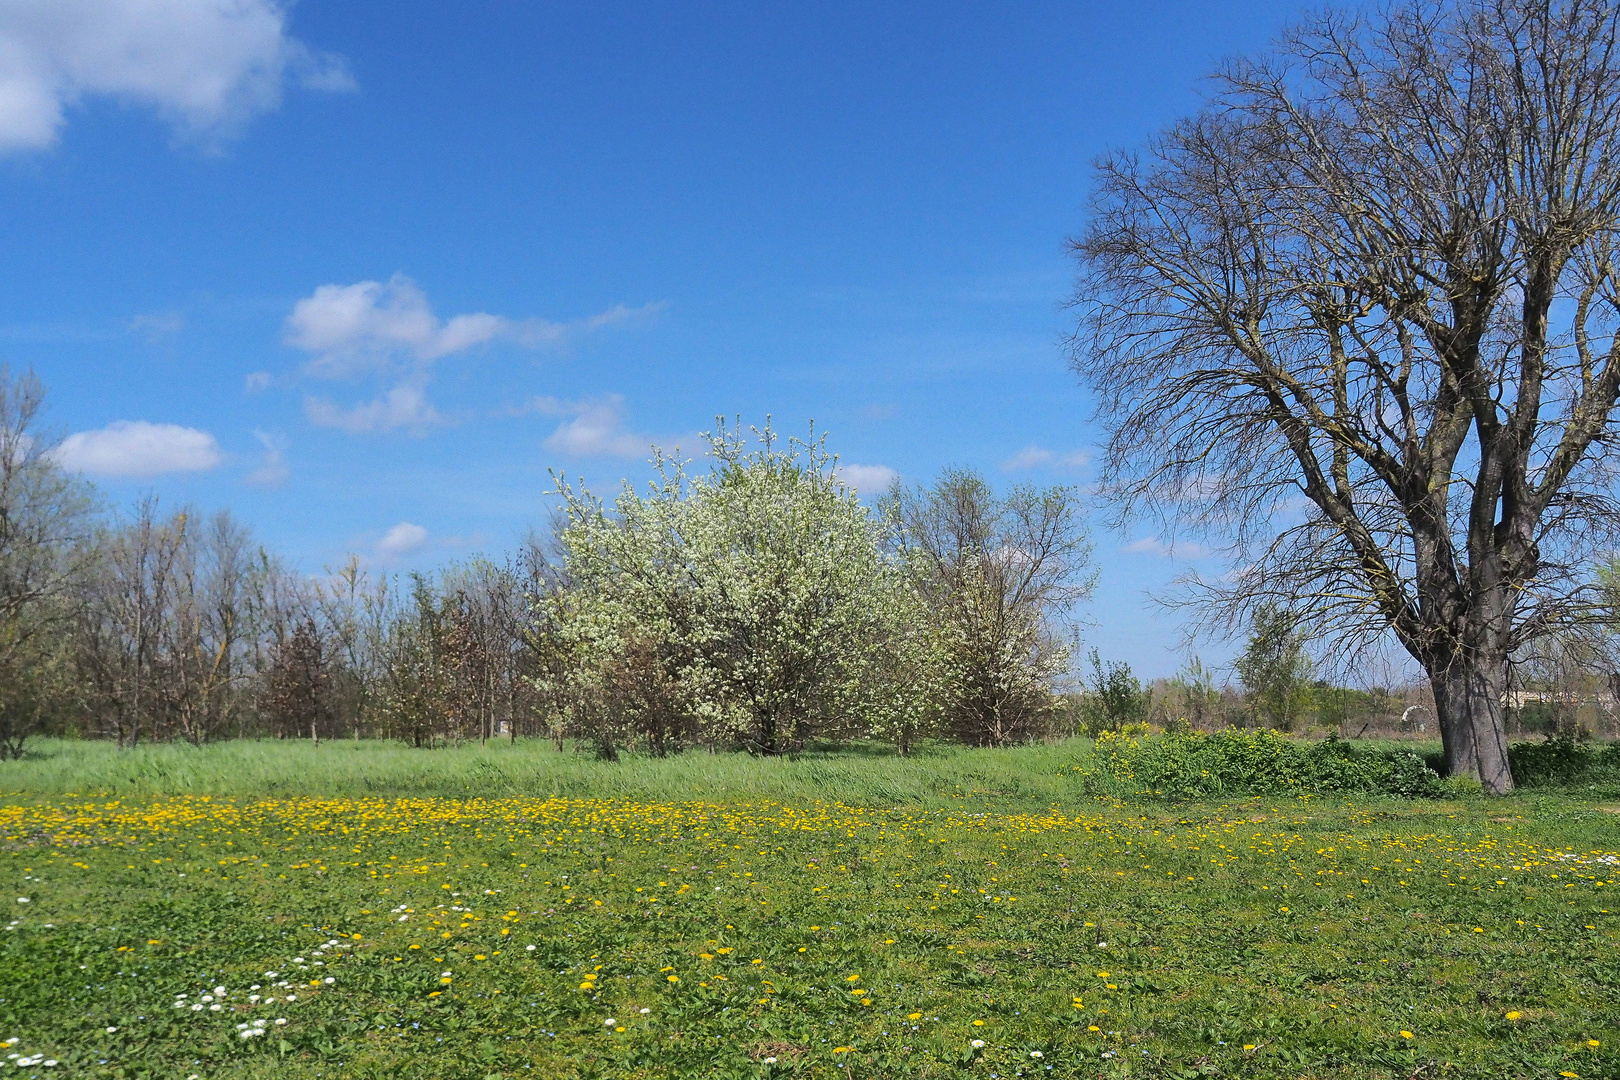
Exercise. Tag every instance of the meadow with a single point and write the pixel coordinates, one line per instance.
(266, 909)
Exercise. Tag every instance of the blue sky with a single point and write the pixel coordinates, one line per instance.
(361, 272)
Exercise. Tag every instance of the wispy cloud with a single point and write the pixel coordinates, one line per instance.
(593, 429)
(1038, 457)
(402, 539)
(157, 326)
(206, 66)
(404, 407)
(1179, 549)
(255, 382)
(136, 448)
(867, 479)
(370, 325)
(272, 471)
(390, 329)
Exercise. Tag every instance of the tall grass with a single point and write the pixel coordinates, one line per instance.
(1036, 775)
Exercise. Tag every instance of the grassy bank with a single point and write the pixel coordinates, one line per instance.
(870, 775)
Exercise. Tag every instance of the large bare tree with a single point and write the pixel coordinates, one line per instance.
(1358, 316)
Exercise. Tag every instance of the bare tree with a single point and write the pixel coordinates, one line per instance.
(45, 516)
(1358, 317)
(299, 696)
(998, 573)
(206, 631)
(122, 615)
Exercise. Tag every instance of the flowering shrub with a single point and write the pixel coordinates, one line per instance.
(1189, 765)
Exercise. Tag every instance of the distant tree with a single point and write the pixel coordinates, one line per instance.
(300, 697)
(1372, 292)
(1192, 699)
(1114, 696)
(414, 684)
(45, 520)
(999, 575)
(1275, 670)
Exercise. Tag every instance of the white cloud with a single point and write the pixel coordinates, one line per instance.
(139, 448)
(870, 479)
(405, 406)
(350, 329)
(272, 471)
(402, 539)
(255, 382)
(390, 328)
(1036, 457)
(596, 430)
(1152, 545)
(206, 66)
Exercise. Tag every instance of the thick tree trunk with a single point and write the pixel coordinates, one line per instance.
(1469, 698)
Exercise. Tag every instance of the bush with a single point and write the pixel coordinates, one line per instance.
(1233, 761)
(1563, 759)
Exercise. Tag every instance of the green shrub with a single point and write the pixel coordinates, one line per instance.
(1233, 761)
(1562, 759)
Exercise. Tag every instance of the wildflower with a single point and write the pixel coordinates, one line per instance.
(1514, 1014)
(770, 1061)
(914, 1016)
(1094, 1027)
(1593, 1043)
(977, 1044)
(111, 1030)
(1036, 1054)
(1407, 1035)
(644, 1012)
(978, 1023)
(609, 1022)
(673, 978)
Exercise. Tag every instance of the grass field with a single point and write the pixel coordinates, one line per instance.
(265, 910)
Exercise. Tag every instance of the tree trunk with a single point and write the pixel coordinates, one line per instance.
(1469, 699)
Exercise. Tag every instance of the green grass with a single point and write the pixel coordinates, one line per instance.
(867, 774)
(972, 895)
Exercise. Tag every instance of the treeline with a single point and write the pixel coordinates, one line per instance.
(757, 604)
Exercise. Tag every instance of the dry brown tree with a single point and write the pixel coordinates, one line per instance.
(1358, 318)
